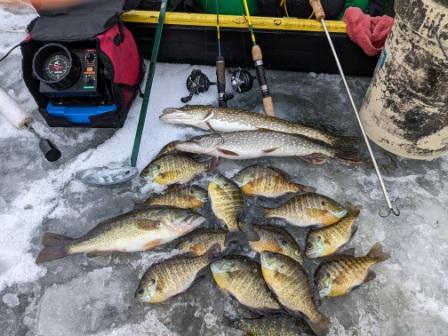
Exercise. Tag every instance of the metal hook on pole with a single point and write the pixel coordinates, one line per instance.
(320, 15)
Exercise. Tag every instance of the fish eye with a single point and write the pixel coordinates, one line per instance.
(152, 282)
(140, 291)
(283, 242)
(324, 203)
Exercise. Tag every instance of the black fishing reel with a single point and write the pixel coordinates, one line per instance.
(242, 80)
(197, 83)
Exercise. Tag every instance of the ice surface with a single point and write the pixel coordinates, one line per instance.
(81, 296)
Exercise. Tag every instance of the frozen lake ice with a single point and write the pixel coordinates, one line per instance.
(81, 296)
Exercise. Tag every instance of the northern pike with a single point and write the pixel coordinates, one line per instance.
(220, 119)
(245, 145)
(241, 277)
(289, 282)
(327, 240)
(342, 273)
(267, 182)
(171, 277)
(173, 168)
(133, 232)
(309, 209)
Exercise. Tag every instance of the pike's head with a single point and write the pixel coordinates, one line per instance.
(187, 115)
(202, 144)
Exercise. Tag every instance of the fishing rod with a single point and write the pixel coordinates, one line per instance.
(320, 15)
(257, 57)
(223, 97)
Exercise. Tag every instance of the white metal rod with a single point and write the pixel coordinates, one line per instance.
(355, 109)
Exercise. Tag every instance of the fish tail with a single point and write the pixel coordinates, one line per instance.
(305, 189)
(346, 141)
(320, 325)
(235, 237)
(268, 212)
(347, 155)
(377, 253)
(213, 253)
(249, 232)
(55, 247)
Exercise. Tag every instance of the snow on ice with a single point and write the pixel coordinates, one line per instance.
(81, 296)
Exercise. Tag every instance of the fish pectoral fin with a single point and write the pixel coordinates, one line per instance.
(270, 150)
(228, 152)
(210, 126)
(370, 276)
(152, 244)
(316, 159)
(147, 224)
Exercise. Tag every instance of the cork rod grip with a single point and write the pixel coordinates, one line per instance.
(268, 106)
(257, 54)
(318, 10)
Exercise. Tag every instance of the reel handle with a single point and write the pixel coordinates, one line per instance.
(257, 57)
(318, 10)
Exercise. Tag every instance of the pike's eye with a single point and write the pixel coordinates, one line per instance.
(323, 203)
(140, 291)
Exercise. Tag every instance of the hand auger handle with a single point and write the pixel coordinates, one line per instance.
(318, 10)
(257, 57)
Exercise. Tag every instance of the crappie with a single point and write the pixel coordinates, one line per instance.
(309, 210)
(173, 168)
(255, 144)
(289, 282)
(277, 240)
(171, 277)
(266, 182)
(241, 277)
(327, 240)
(219, 119)
(277, 325)
(180, 197)
(136, 231)
(342, 273)
(200, 241)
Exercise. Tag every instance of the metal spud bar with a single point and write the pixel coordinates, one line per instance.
(320, 15)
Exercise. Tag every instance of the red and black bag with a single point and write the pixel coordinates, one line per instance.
(95, 25)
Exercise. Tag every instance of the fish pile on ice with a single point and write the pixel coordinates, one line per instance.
(277, 286)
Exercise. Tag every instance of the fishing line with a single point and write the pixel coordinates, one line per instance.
(10, 51)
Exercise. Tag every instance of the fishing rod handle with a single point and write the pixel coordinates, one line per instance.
(318, 10)
(221, 80)
(257, 57)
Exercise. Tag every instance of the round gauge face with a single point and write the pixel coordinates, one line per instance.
(56, 67)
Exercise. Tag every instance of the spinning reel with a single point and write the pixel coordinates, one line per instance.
(242, 80)
(197, 83)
